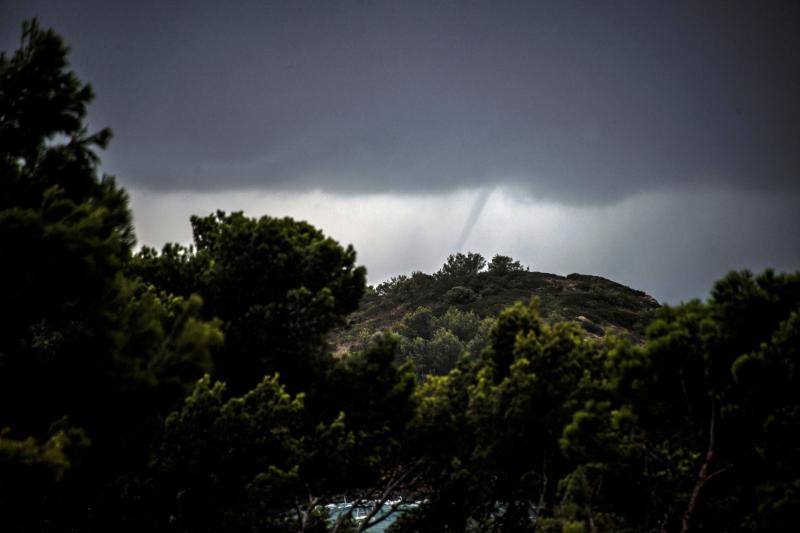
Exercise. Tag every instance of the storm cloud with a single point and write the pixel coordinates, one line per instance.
(654, 143)
(572, 102)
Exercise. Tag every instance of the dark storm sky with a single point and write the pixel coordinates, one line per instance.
(578, 104)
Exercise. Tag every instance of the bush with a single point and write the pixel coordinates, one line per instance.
(460, 295)
(503, 264)
(461, 266)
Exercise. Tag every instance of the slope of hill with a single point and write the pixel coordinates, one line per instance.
(599, 305)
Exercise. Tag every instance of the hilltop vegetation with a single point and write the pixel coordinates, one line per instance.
(441, 316)
(193, 390)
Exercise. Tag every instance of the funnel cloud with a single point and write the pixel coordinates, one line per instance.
(472, 218)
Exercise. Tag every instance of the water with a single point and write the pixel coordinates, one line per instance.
(361, 512)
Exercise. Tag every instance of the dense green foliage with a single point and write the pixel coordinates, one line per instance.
(277, 285)
(689, 430)
(195, 390)
(88, 358)
(462, 288)
(436, 344)
(100, 347)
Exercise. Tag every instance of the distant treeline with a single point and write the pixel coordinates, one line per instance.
(193, 389)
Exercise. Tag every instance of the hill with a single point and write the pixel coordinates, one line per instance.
(465, 296)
